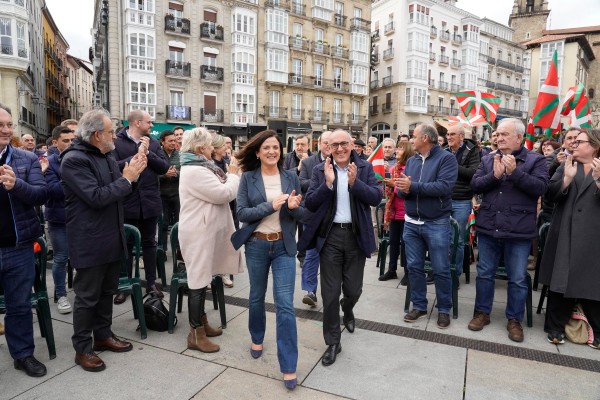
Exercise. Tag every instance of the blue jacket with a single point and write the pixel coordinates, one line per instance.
(29, 191)
(144, 201)
(509, 205)
(433, 179)
(252, 207)
(365, 193)
(55, 206)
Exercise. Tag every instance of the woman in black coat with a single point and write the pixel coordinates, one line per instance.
(570, 264)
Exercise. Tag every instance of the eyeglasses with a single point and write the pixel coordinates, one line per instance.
(343, 145)
(577, 142)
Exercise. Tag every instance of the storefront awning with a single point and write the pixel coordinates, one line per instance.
(299, 127)
(159, 127)
(235, 130)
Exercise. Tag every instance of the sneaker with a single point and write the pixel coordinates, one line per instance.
(64, 307)
(388, 275)
(556, 337)
(404, 280)
(480, 319)
(226, 281)
(515, 330)
(443, 321)
(595, 344)
(415, 315)
(310, 299)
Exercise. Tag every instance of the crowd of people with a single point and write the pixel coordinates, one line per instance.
(314, 207)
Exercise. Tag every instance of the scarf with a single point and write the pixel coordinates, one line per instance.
(189, 158)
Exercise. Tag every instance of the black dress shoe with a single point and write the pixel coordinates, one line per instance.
(348, 318)
(331, 353)
(388, 275)
(120, 298)
(349, 324)
(31, 366)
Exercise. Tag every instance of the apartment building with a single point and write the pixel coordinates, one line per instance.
(426, 50)
(80, 86)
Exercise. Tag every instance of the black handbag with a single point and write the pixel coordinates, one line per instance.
(156, 314)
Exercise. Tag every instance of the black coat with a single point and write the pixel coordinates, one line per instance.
(571, 260)
(144, 201)
(468, 160)
(94, 190)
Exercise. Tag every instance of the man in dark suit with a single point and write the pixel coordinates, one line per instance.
(310, 268)
(341, 191)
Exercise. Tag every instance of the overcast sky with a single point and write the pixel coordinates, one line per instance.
(75, 22)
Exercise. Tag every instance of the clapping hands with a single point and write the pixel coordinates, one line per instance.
(293, 200)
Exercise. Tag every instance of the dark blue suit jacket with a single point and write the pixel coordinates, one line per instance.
(252, 207)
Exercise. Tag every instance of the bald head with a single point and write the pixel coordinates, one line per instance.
(28, 142)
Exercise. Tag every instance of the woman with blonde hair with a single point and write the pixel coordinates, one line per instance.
(205, 192)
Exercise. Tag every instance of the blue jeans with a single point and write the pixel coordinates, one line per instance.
(310, 270)
(515, 252)
(461, 209)
(260, 256)
(17, 273)
(433, 236)
(58, 235)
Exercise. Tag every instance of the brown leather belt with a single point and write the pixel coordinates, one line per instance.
(271, 237)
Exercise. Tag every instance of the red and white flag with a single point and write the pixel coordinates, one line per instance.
(376, 158)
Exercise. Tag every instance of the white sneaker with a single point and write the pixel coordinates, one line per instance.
(226, 281)
(64, 307)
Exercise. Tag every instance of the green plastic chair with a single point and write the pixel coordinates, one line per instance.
(133, 285)
(161, 254)
(501, 274)
(39, 299)
(541, 244)
(179, 284)
(452, 255)
(382, 237)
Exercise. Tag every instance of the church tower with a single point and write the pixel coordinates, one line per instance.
(528, 19)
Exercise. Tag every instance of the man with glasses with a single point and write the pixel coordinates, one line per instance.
(144, 205)
(511, 182)
(340, 193)
(22, 187)
(54, 212)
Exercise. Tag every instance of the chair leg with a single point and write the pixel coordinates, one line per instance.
(180, 298)
(136, 296)
(542, 297)
(160, 266)
(407, 297)
(40, 318)
(220, 295)
(69, 275)
(382, 255)
(467, 263)
(454, 294)
(133, 307)
(47, 318)
(536, 278)
(528, 303)
(173, 291)
(213, 293)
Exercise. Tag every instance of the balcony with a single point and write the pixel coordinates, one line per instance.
(178, 69)
(275, 112)
(455, 63)
(444, 60)
(505, 88)
(179, 113)
(299, 43)
(210, 73)
(340, 20)
(520, 69)
(278, 3)
(375, 58)
(445, 36)
(388, 29)
(444, 86)
(355, 119)
(177, 25)
(320, 47)
(7, 49)
(456, 39)
(361, 24)
(318, 82)
(431, 84)
(375, 35)
(491, 60)
(490, 85)
(337, 118)
(430, 109)
(431, 57)
(211, 115)
(505, 64)
(454, 87)
(519, 91)
(298, 8)
(210, 31)
(297, 113)
(387, 81)
(433, 32)
(373, 110)
(318, 116)
(388, 54)
(386, 108)
(374, 84)
(510, 112)
(341, 52)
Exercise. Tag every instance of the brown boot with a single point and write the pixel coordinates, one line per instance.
(197, 340)
(210, 331)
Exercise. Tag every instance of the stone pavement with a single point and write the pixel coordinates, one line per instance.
(385, 358)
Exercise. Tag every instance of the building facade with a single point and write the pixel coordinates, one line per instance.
(528, 19)
(80, 86)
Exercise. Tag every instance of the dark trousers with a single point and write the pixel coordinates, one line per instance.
(560, 308)
(342, 267)
(302, 253)
(147, 227)
(396, 244)
(170, 206)
(92, 312)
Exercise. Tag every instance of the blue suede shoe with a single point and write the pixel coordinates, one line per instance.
(290, 383)
(255, 353)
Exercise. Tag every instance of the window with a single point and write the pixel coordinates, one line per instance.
(355, 111)
(337, 77)
(296, 106)
(243, 62)
(318, 74)
(548, 49)
(339, 40)
(359, 79)
(337, 110)
(273, 104)
(176, 97)
(243, 30)
(277, 26)
(359, 43)
(21, 40)
(297, 29)
(141, 45)
(142, 5)
(322, 9)
(420, 14)
(318, 108)
(142, 92)
(277, 65)
(296, 70)
(175, 54)
(242, 103)
(176, 9)
(6, 36)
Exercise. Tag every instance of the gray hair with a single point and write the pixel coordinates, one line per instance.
(5, 108)
(194, 138)
(430, 132)
(517, 124)
(90, 122)
(387, 139)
